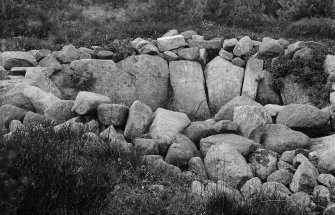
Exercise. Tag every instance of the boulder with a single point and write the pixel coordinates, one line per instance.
(300, 200)
(227, 110)
(189, 94)
(146, 147)
(326, 161)
(34, 119)
(282, 176)
(266, 94)
(60, 111)
(252, 188)
(237, 61)
(263, 162)
(181, 151)
(87, 102)
(113, 114)
(226, 55)
(9, 113)
(243, 46)
(293, 93)
(305, 177)
(228, 165)
(280, 138)
(197, 166)
(224, 82)
(229, 44)
(68, 54)
(50, 61)
(12, 59)
(251, 121)
(138, 121)
(189, 53)
(321, 196)
(14, 94)
(198, 130)
(270, 48)
(170, 42)
(241, 144)
(250, 83)
(167, 123)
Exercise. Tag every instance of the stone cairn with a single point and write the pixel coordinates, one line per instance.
(220, 122)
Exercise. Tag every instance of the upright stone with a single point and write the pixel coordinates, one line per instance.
(188, 84)
(224, 82)
(250, 84)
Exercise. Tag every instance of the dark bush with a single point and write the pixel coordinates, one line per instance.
(313, 27)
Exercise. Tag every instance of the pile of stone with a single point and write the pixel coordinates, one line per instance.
(220, 123)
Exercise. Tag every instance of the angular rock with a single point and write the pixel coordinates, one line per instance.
(9, 113)
(283, 165)
(288, 156)
(157, 164)
(266, 94)
(171, 42)
(227, 111)
(243, 46)
(251, 121)
(85, 56)
(60, 111)
(293, 93)
(50, 61)
(109, 133)
(209, 45)
(203, 56)
(138, 121)
(181, 151)
(40, 54)
(250, 84)
(282, 176)
(227, 165)
(198, 130)
(264, 162)
(146, 147)
(88, 101)
(68, 54)
(167, 123)
(226, 55)
(14, 95)
(280, 138)
(92, 126)
(113, 114)
(196, 165)
(12, 59)
(225, 126)
(189, 94)
(241, 144)
(198, 37)
(75, 125)
(229, 44)
(189, 53)
(224, 82)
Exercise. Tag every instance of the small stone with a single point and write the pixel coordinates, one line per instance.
(88, 101)
(171, 33)
(237, 61)
(68, 54)
(226, 55)
(251, 188)
(282, 176)
(105, 55)
(171, 42)
(198, 37)
(16, 125)
(189, 53)
(197, 166)
(170, 56)
(34, 119)
(113, 114)
(229, 44)
(188, 34)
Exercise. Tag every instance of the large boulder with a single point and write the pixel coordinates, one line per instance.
(188, 85)
(250, 83)
(181, 151)
(241, 144)
(243, 46)
(9, 113)
(228, 165)
(303, 117)
(251, 121)
(227, 111)
(138, 121)
(87, 102)
(224, 82)
(167, 123)
(280, 138)
(12, 59)
(266, 94)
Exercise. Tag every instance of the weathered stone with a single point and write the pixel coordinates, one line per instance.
(167, 123)
(188, 34)
(88, 101)
(304, 53)
(157, 164)
(283, 165)
(68, 54)
(280, 138)
(189, 94)
(305, 178)
(92, 126)
(241, 144)
(16, 125)
(225, 126)
(93, 143)
(270, 48)
(274, 189)
(273, 109)
(224, 82)
(170, 33)
(300, 200)
(181, 151)
(264, 162)
(50, 61)
(113, 114)
(198, 37)
(229, 44)
(9, 113)
(198, 130)
(18, 71)
(214, 44)
(284, 43)
(266, 94)
(282, 176)
(40, 54)
(288, 156)
(294, 47)
(109, 133)
(203, 56)
(105, 55)
(120, 145)
(171, 42)
(87, 50)
(14, 94)
(329, 64)
(243, 46)
(293, 93)
(238, 62)
(226, 55)
(85, 56)
(227, 111)
(75, 124)
(228, 165)
(196, 165)
(60, 111)
(146, 147)
(12, 59)
(321, 196)
(251, 188)
(330, 209)
(251, 121)
(34, 119)
(250, 84)
(170, 56)
(138, 121)
(327, 180)
(326, 161)
(189, 53)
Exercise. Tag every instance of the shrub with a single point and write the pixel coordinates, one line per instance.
(309, 74)
(313, 27)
